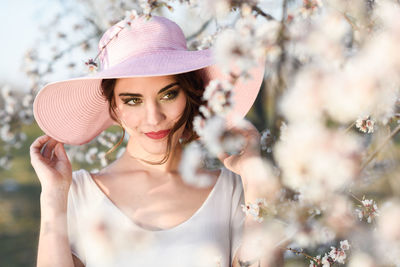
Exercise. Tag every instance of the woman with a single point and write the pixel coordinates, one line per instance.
(151, 86)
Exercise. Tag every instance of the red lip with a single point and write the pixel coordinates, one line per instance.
(157, 135)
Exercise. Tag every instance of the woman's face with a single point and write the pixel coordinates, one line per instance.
(148, 108)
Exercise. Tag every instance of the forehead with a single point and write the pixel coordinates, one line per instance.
(143, 84)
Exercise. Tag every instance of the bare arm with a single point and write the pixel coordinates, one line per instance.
(252, 250)
(54, 171)
(53, 247)
(258, 247)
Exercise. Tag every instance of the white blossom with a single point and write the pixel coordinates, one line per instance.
(344, 245)
(361, 259)
(365, 124)
(6, 134)
(5, 162)
(368, 210)
(130, 15)
(198, 125)
(214, 8)
(103, 159)
(205, 111)
(192, 159)
(311, 234)
(317, 161)
(310, 7)
(91, 155)
(219, 97)
(325, 262)
(229, 48)
(232, 143)
(91, 65)
(266, 140)
(388, 223)
(266, 36)
(257, 210)
(213, 131)
(337, 255)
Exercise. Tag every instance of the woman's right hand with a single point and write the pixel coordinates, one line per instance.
(51, 164)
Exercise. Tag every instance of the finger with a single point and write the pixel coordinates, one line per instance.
(222, 156)
(247, 138)
(47, 150)
(247, 132)
(233, 161)
(37, 145)
(244, 124)
(60, 152)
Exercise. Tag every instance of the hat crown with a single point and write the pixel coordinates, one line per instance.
(143, 36)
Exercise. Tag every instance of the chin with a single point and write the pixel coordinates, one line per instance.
(156, 147)
(161, 148)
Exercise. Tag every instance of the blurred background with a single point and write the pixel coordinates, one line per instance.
(336, 59)
(44, 41)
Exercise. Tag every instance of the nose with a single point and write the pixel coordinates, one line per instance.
(154, 113)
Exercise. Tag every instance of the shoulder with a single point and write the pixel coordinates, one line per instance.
(78, 177)
(234, 188)
(233, 179)
(78, 174)
(79, 184)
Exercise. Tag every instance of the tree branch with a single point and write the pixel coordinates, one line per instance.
(373, 155)
(262, 13)
(199, 31)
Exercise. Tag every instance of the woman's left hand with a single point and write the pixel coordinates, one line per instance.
(251, 149)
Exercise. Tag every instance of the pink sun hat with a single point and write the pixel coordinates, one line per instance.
(74, 111)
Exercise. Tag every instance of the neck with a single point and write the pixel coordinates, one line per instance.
(170, 166)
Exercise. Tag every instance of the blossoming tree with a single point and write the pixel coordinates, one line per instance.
(329, 117)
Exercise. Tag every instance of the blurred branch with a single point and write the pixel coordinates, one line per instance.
(350, 127)
(254, 7)
(297, 252)
(60, 54)
(199, 31)
(373, 155)
(349, 20)
(262, 13)
(278, 84)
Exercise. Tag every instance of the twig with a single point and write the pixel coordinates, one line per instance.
(198, 32)
(262, 13)
(71, 47)
(304, 254)
(350, 22)
(104, 46)
(349, 128)
(282, 43)
(356, 198)
(247, 263)
(371, 157)
(255, 8)
(276, 83)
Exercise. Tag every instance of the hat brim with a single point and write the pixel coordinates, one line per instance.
(74, 111)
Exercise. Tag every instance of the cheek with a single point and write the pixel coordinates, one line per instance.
(131, 120)
(177, 110)
(128, 118)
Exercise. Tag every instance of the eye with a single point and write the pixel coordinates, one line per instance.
(133, 101)
(170, 95)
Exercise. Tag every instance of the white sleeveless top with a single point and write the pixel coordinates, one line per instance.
(100, 234)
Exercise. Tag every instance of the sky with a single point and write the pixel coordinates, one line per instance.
(20, 29)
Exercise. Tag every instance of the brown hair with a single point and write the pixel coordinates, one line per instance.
(192, 85)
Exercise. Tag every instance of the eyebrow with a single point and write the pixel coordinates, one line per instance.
(159, 92)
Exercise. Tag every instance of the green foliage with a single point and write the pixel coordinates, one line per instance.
(20, 207)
